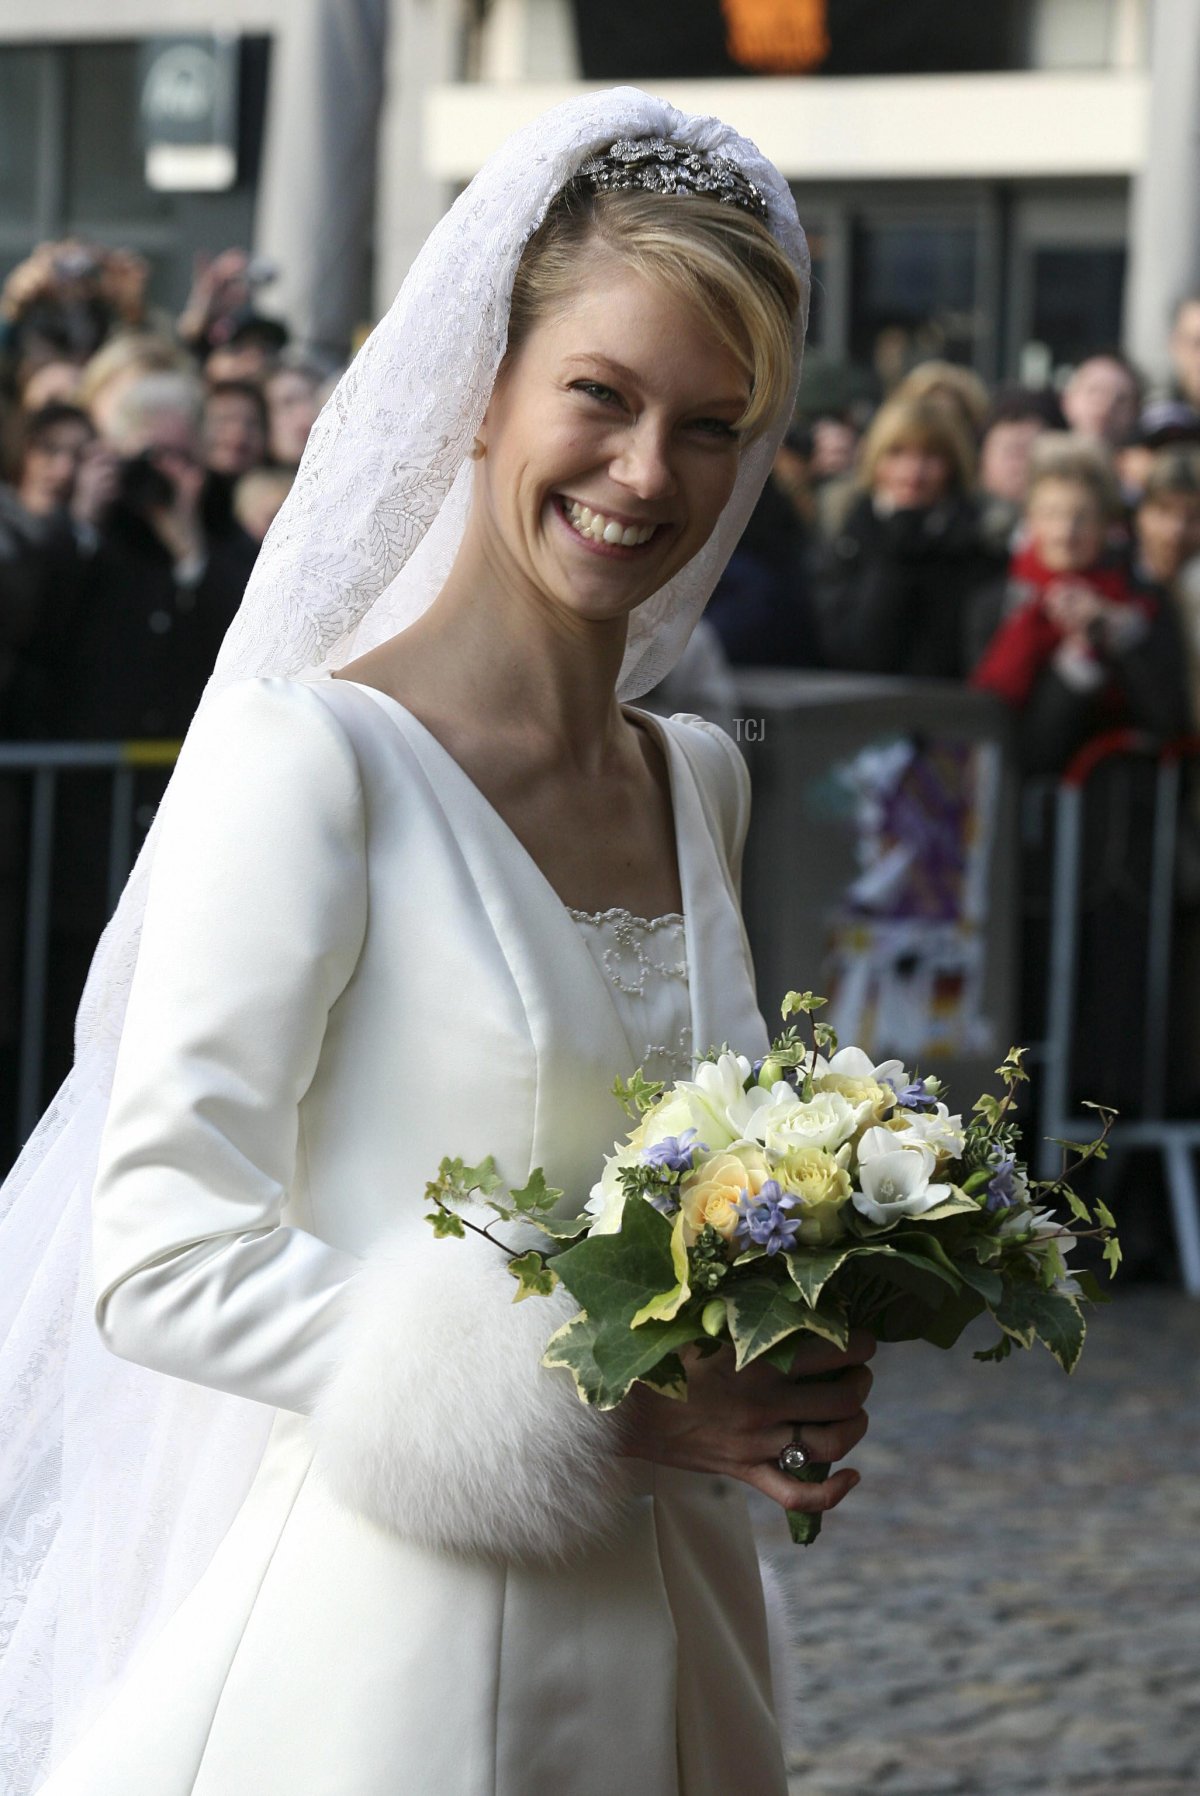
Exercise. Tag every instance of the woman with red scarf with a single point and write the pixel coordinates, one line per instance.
(1081, 648)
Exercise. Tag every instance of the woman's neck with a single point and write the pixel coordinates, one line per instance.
(491, 655)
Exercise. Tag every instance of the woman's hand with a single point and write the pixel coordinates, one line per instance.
(737, 1423)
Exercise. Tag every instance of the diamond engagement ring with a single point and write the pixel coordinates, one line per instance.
(794, 1457)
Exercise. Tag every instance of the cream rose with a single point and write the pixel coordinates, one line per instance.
(822, 1184)
(711, 1194)
(870, 1099)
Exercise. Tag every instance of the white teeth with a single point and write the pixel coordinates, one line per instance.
(600, 529)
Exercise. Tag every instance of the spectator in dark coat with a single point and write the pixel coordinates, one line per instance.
(153, 590)
(147, 595)
(896, 586)
(762, 608)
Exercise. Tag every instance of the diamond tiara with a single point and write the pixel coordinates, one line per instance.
(656, 165)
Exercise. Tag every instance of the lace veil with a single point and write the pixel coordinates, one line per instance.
(116, 1482)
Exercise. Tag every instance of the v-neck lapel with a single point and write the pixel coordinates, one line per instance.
(562, 989)
(720, 974)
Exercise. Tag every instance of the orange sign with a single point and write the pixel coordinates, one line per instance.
(780, 37)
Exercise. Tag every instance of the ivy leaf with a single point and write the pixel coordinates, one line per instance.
(636, 1095)
(560, 1228)
(1001, 1350)
(811, 1272)
(668, 1378)
(1104, 1215)
(761, 1312)
(958, 1205)
(989, 1285)
(534, 1278)
(1029, 1313)
(1012, 1070)
(1112, 1255)
(606, 1358)
(535, 1196)
(669, 1303)
(1076, 1205)
(457, 1181)
(609, 1276)
(445, 1223)
(796, 1002)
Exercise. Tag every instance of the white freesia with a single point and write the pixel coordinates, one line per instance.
(606, 1200)
(1044, 1235)
(714, 1102)
(786, 1122)
(895, 1179)
(934, 1128)
(852, 1063)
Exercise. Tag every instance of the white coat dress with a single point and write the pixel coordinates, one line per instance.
(351, 967)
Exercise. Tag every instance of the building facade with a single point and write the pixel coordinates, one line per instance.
(1008, 185)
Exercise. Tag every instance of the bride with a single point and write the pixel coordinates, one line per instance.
(421, 886)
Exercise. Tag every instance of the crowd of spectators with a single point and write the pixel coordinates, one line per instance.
(1039, 544)
(142, 460)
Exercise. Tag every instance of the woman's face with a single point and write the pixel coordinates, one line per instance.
(911, 476)
(51, 464)
(1066, 524)
(1168, 533)
(611, 447)
(292, 407)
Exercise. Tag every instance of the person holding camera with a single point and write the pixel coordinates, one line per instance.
(154, 590)
(145, 595)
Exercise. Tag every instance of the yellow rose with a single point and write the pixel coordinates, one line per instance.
(710, 1194)
(814, 1176)
(881, 1098)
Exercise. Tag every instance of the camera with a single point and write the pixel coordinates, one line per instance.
(141, 484)
(76, 265)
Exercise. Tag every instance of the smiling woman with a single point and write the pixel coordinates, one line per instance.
(423, 882)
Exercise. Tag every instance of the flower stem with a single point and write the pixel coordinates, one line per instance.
(805, 1524)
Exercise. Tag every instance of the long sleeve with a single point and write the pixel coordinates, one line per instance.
(254, 922)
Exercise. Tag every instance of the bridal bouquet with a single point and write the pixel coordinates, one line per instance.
(810, 1192)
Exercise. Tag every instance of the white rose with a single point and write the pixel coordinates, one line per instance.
(895, 1181)
(785, 1123)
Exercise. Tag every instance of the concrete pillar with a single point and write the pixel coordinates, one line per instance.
(1164, 261)
(426, 48)
(318, 186)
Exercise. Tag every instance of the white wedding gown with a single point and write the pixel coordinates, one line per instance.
(350, 968)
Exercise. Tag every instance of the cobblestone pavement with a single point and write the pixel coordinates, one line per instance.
(1009, 1605)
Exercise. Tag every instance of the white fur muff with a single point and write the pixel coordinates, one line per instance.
(441, 1424)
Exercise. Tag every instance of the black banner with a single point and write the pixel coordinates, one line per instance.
(702, 39)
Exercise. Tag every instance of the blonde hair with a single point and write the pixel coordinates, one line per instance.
(140, 351)
(1065, 455)
(928, 424)
(712, 256)
(950, 383)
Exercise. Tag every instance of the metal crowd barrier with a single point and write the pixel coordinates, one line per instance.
(787, 893)
(1176, 1140)
(45, 763)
